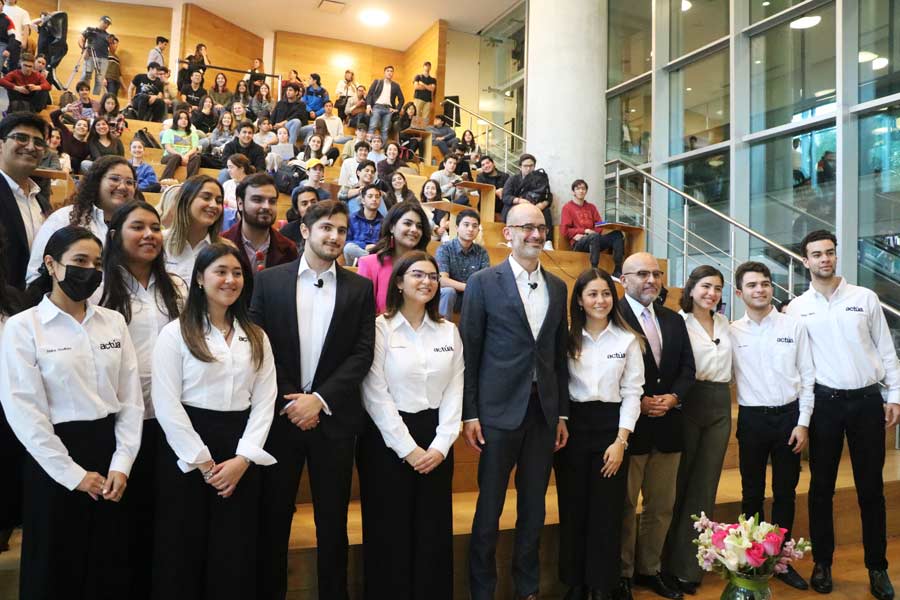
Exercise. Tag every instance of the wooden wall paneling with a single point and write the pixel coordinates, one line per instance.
(227, 44)
(432, 46)
(135, 25)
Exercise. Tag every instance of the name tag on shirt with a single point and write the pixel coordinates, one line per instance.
(616, 356)
(111, 345)
(444, 349)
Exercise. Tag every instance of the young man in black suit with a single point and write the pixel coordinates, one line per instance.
(516, 397)
(320, 319)
(655, 445)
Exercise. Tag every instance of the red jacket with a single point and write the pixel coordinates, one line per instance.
(14, 78)
(575, 219)
(281, 249)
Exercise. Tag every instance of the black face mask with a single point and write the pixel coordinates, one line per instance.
(80, 282)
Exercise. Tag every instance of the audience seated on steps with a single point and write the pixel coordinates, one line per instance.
(448, 181)
(581, 224)
(458, 259)
(333, 123)
(301, 200)
(348, 167)
(194, 91)
(279, 152)
(243, 144)
(533, 187)
(385, 98)
(264, 136)
(74, 141)
(491, 175)
(182, 146)
(220, 93)
(223, 133)
(144, 173)
(442, 135)
(262, 103)
(365, 173)
(101, 142)
(365, 226)
(316, 96)
(203, 117)
(291, 112)
(25, 87)
(315, 179)
(147, 95)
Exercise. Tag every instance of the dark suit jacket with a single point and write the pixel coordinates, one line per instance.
(501, 354)
(281, 249)
(674, 375)
(347, 353)
(16, 251)
(375, 91)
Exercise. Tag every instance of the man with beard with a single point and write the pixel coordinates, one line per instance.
(263, 245)
(320, 319)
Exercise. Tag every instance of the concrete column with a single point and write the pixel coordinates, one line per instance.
(565, 94)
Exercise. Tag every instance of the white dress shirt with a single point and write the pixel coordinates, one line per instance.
(638, 309)
(536, 301)
(773, 365)
(54, 369)
(29, 208)
(610, 369)
(183, 264)
(415, 370)
(713, 360)
(56, 221)
(315, 309)
(231, 383)
(851, 342)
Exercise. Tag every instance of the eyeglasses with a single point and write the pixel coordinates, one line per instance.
(418, 275)
(646, 274)
(119, 180)
(22, 139)
(529, 228)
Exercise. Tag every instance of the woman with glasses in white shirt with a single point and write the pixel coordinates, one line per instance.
(137, 286)
(213, 390)
(199, 212)
(606, 379)
(413, 394)
(70, 389)
(707, 423)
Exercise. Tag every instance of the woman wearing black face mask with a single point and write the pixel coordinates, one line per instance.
(70, 389)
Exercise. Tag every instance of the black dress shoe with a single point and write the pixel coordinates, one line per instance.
(821, 578)
(598, 595)
(624, 591)
(577, 592)
(880, 585)
(656, 583)
(682, 585)
(793, 579)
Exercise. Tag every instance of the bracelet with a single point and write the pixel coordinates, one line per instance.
(622, 441)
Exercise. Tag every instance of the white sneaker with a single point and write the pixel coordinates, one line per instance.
(548, 245)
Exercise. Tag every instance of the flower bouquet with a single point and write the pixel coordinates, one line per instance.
(747, 553)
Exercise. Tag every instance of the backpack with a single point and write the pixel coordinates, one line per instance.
(147, 138)
(287, 177)
(66, 98)
(536, 187)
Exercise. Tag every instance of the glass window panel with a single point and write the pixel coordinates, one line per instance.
(700, 95)
(629, 40)
(628, 125)
(761, 9)
(792, 70)
(879, 50)
(696, 23)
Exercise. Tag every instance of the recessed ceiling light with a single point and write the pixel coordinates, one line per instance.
(880, 130)
(866, 56)
(633, 110)
(806, 22)
(719, 112)
(757, 62)
(374, 17)
(686, 5)
(823, 93)
(507, 93)
(766, 3)
(689, 89)
(880, 63)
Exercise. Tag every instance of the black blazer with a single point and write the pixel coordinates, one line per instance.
(16, 251)
(375, 91)
(346, 355)
(675, 375)
(501, 354)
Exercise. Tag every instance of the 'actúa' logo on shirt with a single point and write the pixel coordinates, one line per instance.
(616, 355)
(111, 345)
(444, 349)
(785, 340)
(858, 309)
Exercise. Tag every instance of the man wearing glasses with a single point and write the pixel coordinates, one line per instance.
(516, 398)
(22, 145)
(655, 445)
(24, 86)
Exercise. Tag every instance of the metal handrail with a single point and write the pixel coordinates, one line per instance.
(488, 121)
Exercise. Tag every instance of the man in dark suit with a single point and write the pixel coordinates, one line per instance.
(516, 400)
(383, 100)
(22, 146)
(655, 445)
(320, 319)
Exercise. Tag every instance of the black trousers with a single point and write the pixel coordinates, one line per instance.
(528, 448)
(149, 111)
(590, 505)
(12, 460)
(73, 546)
(173, 161)
(330, 464)
(204, 547)
(763, 434)
(35, 101)
(140, 504)
(598, 242)
(860, 416)
(407, 518)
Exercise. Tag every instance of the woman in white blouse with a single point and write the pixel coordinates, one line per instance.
(199, 211)
(707, 422)
(606, 379)
(214, 395)
(413, 394)
(137, 286)
(70, 389)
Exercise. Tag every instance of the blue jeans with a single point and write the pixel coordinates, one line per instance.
(449, 300)
(381, 120)
(353, 252)
(296, 130)
(99, 75)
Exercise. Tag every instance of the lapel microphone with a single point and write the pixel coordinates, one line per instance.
(321, 283)
(716, 341)
(532, 285)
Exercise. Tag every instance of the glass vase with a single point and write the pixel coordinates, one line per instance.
(747, 588)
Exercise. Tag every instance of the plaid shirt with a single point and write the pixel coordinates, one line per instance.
(461, 264)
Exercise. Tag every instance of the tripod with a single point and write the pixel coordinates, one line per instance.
(92, 56)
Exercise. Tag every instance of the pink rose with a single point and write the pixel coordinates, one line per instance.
(718, 538)
(756, 555)
(772, 543)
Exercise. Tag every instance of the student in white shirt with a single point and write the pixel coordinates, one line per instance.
(706, 423)
(348, 176)
(853, 350)
(214, 394)
(109, 184)
(137, 286)
(606, 379)
(69, 387)
(197, 224)
(413, 394)
(773, 369)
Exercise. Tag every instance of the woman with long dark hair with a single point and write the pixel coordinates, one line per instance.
(405, 456)
(220, 93)
(241, 94)
(199, 211)
(403, 230)
(70, 389)
(108, 185)
(74, 141)
(221, 135)
(109, 108)
(214, 394)
(102, 142)
(204, 117)
(392, 161)
(262, 102)
(408, 141)
(606, 378)
(400, 191)
(471, 149)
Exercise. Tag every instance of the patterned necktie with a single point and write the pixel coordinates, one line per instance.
(652, 334)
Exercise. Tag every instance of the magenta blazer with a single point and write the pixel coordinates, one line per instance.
(380, 274)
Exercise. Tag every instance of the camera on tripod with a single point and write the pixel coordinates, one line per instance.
(90, 33)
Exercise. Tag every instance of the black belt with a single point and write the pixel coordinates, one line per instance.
(773, 410)
(858, 393)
